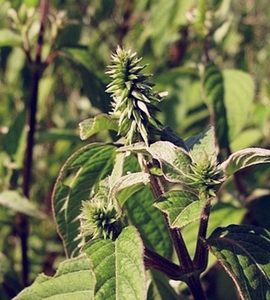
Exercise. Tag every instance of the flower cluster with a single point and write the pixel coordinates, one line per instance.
(206, 175)
(100, 217)
(134, 101)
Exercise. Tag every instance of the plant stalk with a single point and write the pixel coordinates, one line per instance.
(201, 253)
(37, 69)
(195, 287)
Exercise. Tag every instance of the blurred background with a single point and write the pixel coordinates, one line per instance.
(53, 59)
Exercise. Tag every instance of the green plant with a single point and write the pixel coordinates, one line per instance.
(122, 208)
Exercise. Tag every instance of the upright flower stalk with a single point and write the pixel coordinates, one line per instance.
(134, 101)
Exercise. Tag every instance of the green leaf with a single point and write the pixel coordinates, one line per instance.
(18, 203)
(129, 184)
(74, 279)
(247, 138)
(215, 96)
(244, 252)
(149, 221)
(118, 266)
(201, 144)
(182, 207)
(239, 93)
(9, 38)
(92, 126)
(245, 158)
(230, 94)
(31, 3)
(145, 217)
(11, 141)
(160, 288)
(175, 161)
(78, 178)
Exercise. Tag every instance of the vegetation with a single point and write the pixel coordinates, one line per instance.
(161, 191)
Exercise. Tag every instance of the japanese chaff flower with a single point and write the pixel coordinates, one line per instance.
(100, 218)
(134, 101)
(206, 175)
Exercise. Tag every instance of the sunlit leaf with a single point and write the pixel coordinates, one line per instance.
(118, 266)
(175, 161)
(182, 207)
(245, 158)
(74, 279)
(203, 144)
(244, 252)
(92, 126)
(9, 38)
(239, 93)
(230, 94)
(129, 184)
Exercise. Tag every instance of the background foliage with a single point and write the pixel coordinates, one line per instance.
(199, 51)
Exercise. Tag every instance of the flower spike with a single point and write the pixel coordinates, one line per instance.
(134, 101)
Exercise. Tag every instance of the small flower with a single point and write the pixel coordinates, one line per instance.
(206, 174)
(100, 218)
(134, 101)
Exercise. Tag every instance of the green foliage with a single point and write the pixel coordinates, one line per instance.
(243, 251)
(138, 203)
(76, 270)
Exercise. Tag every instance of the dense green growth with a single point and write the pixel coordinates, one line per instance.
(155, 195)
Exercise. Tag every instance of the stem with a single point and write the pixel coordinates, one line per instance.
(176, 236)
(158, 262)
(195, 287)
(201, 252)
(186, 267)
(38, 68)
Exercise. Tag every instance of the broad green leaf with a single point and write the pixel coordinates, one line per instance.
(9, 38)
(203, 144)
(230, 94)
(118, 266)
(247, 138)
(244, 252)
(92, 126)
(129, 184)
(78, 178)
(149, 221)
(74, 279)
(175, 161)
(159, 287)
(245, 158)
(239, 93)
(182, 207)
(18, 203)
